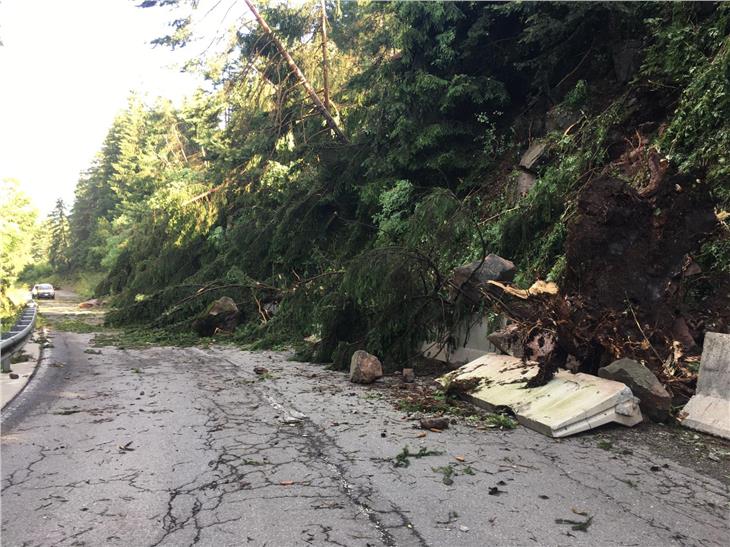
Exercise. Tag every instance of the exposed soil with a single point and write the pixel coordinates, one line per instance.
(632, 287)
(629, 255)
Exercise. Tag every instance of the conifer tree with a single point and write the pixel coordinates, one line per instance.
(58, 252)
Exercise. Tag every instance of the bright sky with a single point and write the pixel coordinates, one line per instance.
(66, 69)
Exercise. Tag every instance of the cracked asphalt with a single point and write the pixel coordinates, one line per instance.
(184, 446)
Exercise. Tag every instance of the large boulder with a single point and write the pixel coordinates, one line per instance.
(365, 368)
(655, 401)
(221, 316)
(467, 278)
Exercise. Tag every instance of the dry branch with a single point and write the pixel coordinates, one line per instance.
(293, 66)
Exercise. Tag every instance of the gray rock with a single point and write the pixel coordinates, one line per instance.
(409, 376)
(221, 315)
(533, 155)
(365, 368)
(493, 268)
(14, 376)
(627, 58)
(525, 182)
(654, 399)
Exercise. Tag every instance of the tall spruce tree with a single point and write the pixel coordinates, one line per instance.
(58, 252)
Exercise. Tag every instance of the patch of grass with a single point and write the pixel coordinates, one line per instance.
(19, 357)
(576, 525)
(630, 483)
(435, 402)
(605, 445)
(447, 471)
(75, 325)
(145, 338)
(403, 458)
(502, 421)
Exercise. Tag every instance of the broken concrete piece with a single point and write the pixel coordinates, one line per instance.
(654, 399)
(469, 342)
(567, 404)
(365, 368)
(508, 340)
(709, 409)
(409, 376)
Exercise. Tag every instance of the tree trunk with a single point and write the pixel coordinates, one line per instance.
(324, 56)
(293, 66)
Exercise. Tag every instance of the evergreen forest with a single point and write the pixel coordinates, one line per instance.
(345, 157)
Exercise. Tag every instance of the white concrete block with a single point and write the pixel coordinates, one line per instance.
(709, 410)
(567, 404)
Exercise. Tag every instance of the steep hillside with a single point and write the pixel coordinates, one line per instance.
(587, 143)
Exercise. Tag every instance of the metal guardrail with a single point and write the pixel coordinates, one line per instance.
(20, 331)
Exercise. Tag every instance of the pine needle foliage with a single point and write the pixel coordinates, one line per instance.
(244, 192)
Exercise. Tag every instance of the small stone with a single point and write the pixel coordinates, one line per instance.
(365, 368)
(463, 528)
(434, 423)
(409, 376)
(14, 376)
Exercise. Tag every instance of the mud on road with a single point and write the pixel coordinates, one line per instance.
(182, 446)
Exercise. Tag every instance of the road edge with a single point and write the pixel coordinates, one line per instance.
(41, 352)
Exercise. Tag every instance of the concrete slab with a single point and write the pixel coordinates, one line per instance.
(709, 410)
(568, 404)
(470, 343)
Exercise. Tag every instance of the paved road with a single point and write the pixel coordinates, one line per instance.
(171, 446)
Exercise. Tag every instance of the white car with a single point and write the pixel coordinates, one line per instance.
(44, 290)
